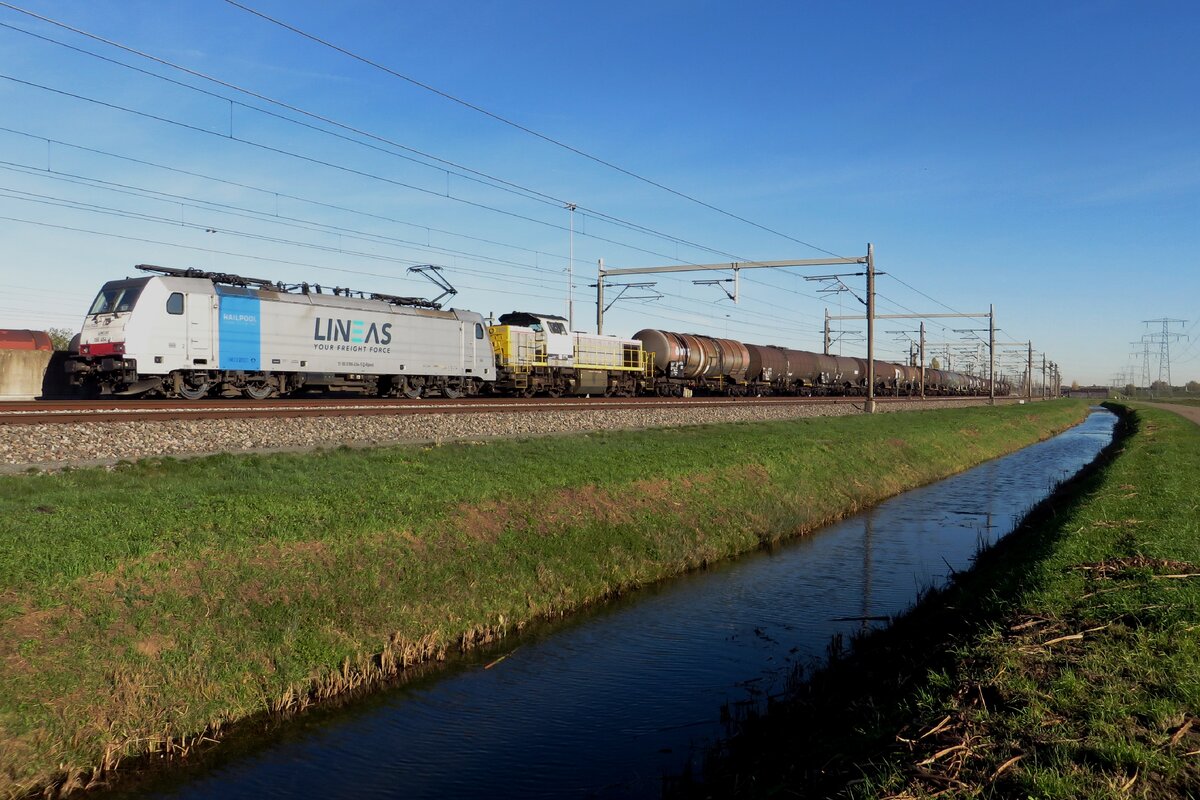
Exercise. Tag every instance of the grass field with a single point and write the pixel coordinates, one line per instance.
(1065, 665)
(148, 605)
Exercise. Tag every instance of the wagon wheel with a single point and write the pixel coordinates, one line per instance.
(258, 390)
(529, 391)
(452, 390)
(554, 391)
(413, 388)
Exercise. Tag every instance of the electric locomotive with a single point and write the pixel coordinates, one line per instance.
(188, 333)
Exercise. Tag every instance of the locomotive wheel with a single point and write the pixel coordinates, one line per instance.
(258, 390)
(413, 389)
(529, 391)
(555, 391)
(452, 390)
(189, 392)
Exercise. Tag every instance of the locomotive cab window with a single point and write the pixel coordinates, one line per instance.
(117, 298)
(175, 303)
(557, 327)
(478, 331)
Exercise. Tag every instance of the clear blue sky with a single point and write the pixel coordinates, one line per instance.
(1044, 157)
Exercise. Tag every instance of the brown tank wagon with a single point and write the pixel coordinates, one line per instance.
(767, 365)
(805, 368)
(689, 361)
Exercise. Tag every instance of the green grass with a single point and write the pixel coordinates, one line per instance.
(152, 603)
(1072, 648)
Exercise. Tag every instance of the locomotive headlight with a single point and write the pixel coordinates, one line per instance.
(85, 349)
(119, 347)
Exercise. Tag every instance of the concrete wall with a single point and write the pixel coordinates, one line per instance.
(26, 374)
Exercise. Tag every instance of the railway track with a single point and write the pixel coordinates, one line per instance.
(39, 412)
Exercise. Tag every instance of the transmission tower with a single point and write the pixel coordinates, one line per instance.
(1164, 340)
(1144, 353)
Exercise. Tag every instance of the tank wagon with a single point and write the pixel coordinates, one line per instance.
(190, 334)
(682, 363)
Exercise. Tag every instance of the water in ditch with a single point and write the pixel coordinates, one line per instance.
(605, 704)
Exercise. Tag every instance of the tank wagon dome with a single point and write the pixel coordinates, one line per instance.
(20, 339)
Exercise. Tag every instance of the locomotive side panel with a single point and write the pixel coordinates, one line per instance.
(267, 332)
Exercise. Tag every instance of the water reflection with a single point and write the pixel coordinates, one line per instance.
(603, 706)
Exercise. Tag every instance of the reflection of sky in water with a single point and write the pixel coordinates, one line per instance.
(604, 705)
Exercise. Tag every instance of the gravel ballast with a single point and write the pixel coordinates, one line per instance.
(102, 443)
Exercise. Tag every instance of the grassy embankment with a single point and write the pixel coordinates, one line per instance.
(144, 606)
(1066, 664)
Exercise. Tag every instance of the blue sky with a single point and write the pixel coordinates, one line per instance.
(1042, 157)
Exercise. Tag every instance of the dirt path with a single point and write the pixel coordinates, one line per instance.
(1188, 412)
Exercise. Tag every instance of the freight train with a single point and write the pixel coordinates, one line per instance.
(190, 334)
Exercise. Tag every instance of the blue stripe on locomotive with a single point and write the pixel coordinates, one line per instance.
(240, 331)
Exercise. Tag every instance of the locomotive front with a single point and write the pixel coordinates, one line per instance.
(113, 337)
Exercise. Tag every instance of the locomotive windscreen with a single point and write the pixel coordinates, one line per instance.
(118, 296)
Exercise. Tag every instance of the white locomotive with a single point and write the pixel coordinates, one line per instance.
(188, 333)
